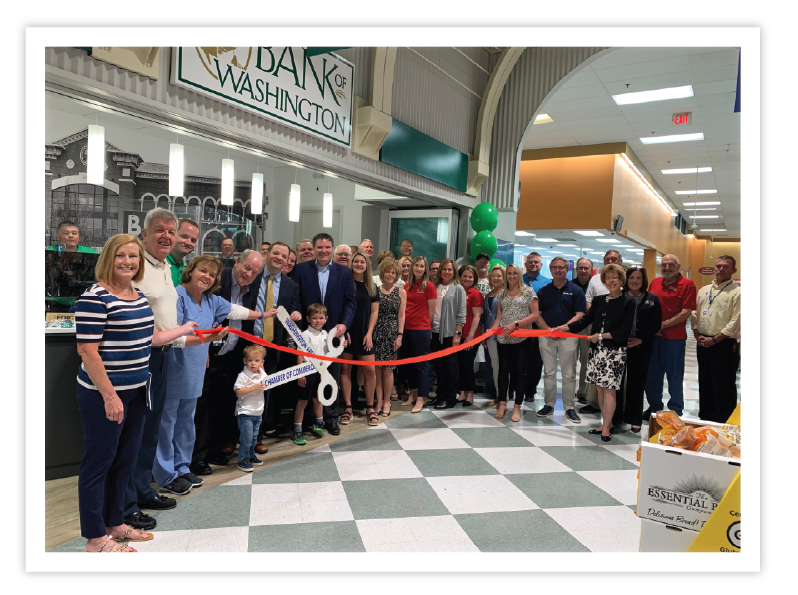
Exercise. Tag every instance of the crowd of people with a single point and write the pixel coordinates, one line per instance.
(161, 403)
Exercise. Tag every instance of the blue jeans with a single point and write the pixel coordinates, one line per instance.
(248, 426)
(667, 358)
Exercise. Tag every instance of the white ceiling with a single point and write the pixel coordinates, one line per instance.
(584, 113)
(585, 246)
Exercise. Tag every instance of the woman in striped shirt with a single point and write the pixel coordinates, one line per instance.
(114, 336)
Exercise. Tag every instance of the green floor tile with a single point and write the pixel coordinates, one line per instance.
(425, 419)
(393, 498)
(490, 437)
(310, 467)
(588, 458)
(561, 490)
(340, 536)
(625, 437)
(366, 440)
(633, 507)
(451, 462)
(523, 531)
(222, 506)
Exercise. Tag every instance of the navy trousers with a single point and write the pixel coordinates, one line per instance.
(139, 488)
(107, 463)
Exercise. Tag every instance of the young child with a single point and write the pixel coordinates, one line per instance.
(249, 388)
(316, 339)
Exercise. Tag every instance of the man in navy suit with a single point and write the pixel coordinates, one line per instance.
(322, 281)
(285, 293)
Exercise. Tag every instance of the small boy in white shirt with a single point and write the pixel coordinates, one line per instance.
(316, 338)
(249, 388)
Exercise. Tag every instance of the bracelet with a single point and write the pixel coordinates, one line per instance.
(263, 315)
(399, 334)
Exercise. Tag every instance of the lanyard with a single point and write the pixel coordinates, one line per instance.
(711, 299)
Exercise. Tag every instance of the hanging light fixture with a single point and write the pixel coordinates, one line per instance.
(327, 210)
(228, 175)
(293, 201)
(256, 201)
(95, 167)
(176, 169)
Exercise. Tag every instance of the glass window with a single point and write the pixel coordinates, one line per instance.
(430, 236)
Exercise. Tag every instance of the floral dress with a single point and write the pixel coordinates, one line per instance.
(387, 327)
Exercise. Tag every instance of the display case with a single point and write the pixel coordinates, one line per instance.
(66, 276)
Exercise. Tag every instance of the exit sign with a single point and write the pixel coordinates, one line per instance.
(681, 119)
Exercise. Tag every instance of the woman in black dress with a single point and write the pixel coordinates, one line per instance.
(389, 330)
(359, 338)
(612, 315)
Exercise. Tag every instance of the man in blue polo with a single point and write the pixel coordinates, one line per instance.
(560, 302)
(533, 279)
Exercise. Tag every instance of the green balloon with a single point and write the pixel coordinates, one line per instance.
(496, 261)
(484, 217)
(485, 242)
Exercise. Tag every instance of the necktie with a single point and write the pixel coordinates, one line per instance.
(268, 323)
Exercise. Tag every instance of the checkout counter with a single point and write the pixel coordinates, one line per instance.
(67, 275)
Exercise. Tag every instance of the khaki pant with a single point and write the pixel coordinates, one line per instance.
(566, 349)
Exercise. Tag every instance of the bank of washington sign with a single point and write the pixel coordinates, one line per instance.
(313, 94)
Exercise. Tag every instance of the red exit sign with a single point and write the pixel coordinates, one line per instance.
(681, 119)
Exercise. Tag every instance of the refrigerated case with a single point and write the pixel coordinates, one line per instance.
(434, 232)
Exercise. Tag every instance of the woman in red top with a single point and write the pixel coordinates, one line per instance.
(421, 299)
(474, 303)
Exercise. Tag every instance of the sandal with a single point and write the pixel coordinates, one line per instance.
(516, 413)
(385, 413)
(115, 548)
(143, 536)
(503, 413)
(394, 397)
(372, 418)
(346, 416)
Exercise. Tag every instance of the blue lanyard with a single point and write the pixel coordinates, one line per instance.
(711, 299)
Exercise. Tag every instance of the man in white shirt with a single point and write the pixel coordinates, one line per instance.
(342, 255)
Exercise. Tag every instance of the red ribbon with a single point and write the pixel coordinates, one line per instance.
(522, 332)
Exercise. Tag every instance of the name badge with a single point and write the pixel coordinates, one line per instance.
(707, 313)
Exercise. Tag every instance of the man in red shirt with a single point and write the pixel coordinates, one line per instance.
(677, 296)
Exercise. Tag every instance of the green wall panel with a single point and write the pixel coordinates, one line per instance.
(414, 151)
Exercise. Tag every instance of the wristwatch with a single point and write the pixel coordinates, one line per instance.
(459, 333)
(714, 341)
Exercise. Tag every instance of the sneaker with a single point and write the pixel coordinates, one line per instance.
(298, 438)
(193, 479)
(589, 409)
(573, 417)
(545, 411)
(318, 430)
(245, 466)
(179, 486)
(256, 461)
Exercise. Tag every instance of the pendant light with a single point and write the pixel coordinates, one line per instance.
(327, 212)
(228, 175)
(176, 169)
(95, 167)
(256, 201)
(293, 201)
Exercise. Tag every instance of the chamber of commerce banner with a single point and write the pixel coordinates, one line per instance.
(311, 93)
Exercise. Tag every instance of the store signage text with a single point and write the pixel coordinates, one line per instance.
(313, 94)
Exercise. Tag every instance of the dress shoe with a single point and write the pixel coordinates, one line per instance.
(529, 399)
(582, 399)
(433, 402)
(160, 502)
(228, 449)
(261, 449)
(444, 404)
(332, 428)
(200, 468)
(140, 520)
(219, 460)
(589, 409)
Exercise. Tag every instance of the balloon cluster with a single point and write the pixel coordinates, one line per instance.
(484, 219)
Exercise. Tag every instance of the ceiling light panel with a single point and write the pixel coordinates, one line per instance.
(697, 192)
(655, 95)
(687, 170)
(589, 233)
(672, 138)
(608, 241)
(698, 204)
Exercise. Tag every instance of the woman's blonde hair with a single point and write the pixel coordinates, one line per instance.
(104, 269)
(455, 276)
(424, 278)
(368, 279)
(383, 255)
(503, 272)
(507, 282)
(389, 264)
(198, 261)
(613, 267)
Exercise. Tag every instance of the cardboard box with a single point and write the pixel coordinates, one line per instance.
(661, 537)
(680, 487)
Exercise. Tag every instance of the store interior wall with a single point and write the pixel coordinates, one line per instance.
(711, 253)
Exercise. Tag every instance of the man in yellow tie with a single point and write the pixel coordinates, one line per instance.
(272, 289)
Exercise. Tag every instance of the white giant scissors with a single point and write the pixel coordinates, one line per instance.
(304, 369)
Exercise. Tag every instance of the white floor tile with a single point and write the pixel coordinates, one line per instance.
(378, 532)
(325, 448)
(412, 546)
(621, 485)
(627, 451)
(274, 492)
(275, 513)
(394, 464)
(417, 534)
(529, 459)
(551, 436)
(246, 480)
(436, 528)
(165, 541)
(354, 472)
(428, 439)
(480, 493)
(456, 545)
(324, 491)
(326, 511)
(601, 528)
(375, 464)
(226, 539)
(468, 419)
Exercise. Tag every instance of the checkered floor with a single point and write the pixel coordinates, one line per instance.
(450, 481)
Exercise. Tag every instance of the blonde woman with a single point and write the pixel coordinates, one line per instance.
(490, 308)
(518, 308)
(360, 343)
(380, 257)
(405, 264)
(389, 331)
